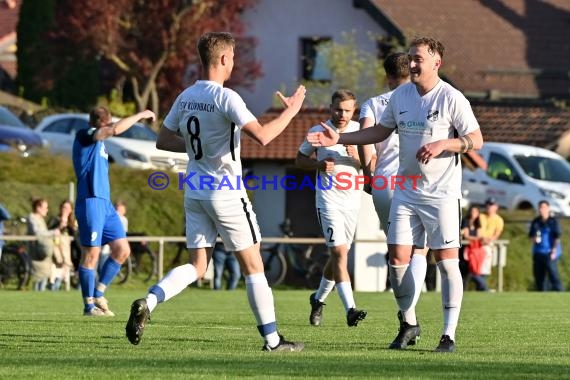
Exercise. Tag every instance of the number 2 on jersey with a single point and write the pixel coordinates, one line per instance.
(195, 141)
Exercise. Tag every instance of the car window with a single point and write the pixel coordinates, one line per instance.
(545, 168)
(59, 126)
(79, 124)
(139, 132)
(501, 169)
(8, 118)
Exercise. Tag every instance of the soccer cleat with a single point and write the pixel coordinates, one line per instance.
(412, 341)
(316, 310)
(284, 346)
(445, 344)
(354, 316)
(103, 304)
(94, 312)
(407, 334)
(137, 320)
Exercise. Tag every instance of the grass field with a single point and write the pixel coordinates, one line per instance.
(212, 335)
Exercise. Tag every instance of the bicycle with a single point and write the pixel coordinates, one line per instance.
(15, 267)
(142, 262)
(15, 264)
(306, 261)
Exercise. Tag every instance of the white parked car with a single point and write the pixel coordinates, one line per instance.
(134, 148)
(518, 177)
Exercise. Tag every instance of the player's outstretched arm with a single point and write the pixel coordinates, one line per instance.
(127, 122)
(264, 134)
(328, 137)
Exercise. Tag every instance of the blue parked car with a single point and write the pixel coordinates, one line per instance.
(15, 135)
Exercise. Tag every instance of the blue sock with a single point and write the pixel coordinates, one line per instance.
(110, 269)
(158, 292)
(87, 281)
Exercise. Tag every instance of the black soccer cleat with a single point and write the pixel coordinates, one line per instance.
(137, 320)
(316, 310)
(284, 346)
(445, 344)
(407, 334)
(354, 316)
(412, 341)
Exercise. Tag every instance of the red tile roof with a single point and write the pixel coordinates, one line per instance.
(542, 126)
(518, 47)
(530, 125)
(286, 145)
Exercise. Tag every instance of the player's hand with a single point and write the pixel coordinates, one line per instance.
(429, 151)
(147, 114)
(295, 101)
(352, 151)
(327, 165)
(328, 137)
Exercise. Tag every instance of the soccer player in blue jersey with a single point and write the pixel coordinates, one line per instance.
(210, 119)
(98, 221)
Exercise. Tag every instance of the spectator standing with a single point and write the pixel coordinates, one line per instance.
(492, 225)
(67, 226)
(223, 259)
(121, 209)
(546, 249)
(473, 253)
(41, 250)
(4, 215)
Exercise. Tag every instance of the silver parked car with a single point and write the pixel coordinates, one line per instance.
(134, 148)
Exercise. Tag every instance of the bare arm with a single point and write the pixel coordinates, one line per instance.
(122, 125)
(308, 163)
(264, 134)
(170, 141)
(329, 137)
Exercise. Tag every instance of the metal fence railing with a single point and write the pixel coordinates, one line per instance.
(499, 254)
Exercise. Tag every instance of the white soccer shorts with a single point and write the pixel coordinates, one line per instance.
(412, 223)
(233, 219)
(338, 226)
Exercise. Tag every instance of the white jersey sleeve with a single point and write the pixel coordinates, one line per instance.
(387, 151)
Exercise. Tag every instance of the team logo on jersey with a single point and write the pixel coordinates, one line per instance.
(93, 235)
(433, 115)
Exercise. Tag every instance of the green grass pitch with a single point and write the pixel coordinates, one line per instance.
(212, 335)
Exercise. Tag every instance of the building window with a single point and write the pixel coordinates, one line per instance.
(314, 63)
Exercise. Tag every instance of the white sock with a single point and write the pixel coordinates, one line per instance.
(402, 282)
(344, 290)
(151, 301)
(451, 295)
(325, 288)
(418, 267)
(177, 280)
(260, 299)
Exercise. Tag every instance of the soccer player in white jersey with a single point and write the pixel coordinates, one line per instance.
(338, 203)
(385, 166)
(435, 124)
(210, 119)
